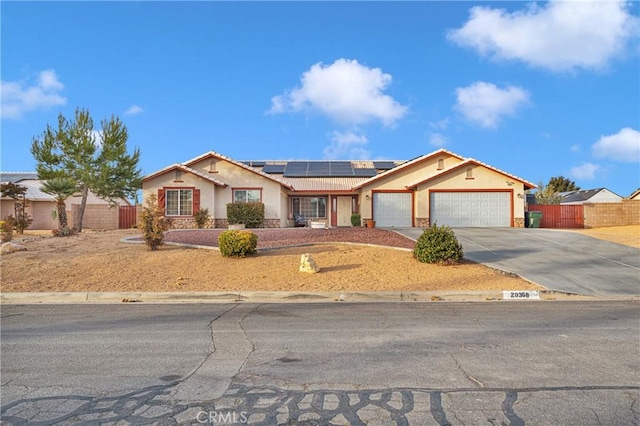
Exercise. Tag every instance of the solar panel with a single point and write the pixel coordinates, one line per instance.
(273, 168)
(318, 166)
(341, 168)
(296, 169)
(365, 172)
(384, 165)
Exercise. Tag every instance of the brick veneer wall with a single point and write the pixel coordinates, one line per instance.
(597, 215)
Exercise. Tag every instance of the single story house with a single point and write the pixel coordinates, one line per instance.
(598, 195)
(440, 187)
(42, 207)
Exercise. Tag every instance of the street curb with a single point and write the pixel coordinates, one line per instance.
(26, 298)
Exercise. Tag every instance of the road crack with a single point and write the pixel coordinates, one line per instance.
(468, 376)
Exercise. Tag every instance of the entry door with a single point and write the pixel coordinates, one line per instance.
(344, 211)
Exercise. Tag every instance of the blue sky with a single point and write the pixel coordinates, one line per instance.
(536, 89)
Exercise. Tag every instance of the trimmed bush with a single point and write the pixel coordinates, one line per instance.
(438, 244)
(250, 214)
(237, 243)
(356, 219)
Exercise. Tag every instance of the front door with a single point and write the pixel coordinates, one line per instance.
(344, 211)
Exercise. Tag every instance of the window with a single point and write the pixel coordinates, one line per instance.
(247, 195)
(178, 202)
(440, 164)
(310, 206)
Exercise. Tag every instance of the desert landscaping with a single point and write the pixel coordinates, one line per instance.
(98, 261)
(364, 260)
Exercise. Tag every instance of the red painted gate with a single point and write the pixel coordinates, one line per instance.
(127, 217)
(559, 216)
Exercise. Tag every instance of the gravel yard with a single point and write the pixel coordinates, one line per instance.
(100, 262)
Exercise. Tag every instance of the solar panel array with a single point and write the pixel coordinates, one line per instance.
(325, 169)
(254, 163)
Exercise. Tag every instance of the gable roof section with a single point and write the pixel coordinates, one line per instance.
(213, 154)
(469, 161)
(634, 194)
(14, 177)
(406, 165)
(583, 195)
(185, 169)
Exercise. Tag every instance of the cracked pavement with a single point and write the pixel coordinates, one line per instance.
(365, 363)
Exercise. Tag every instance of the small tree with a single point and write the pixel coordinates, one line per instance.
(61, 188)
(546, 194)
(153, 224)
(22, 220)
(562, 184)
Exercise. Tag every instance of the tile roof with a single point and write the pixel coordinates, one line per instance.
(187, 170)
(326, 184)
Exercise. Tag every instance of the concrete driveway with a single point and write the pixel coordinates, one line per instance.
(559, 260)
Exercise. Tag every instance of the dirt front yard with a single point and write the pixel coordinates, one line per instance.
(100, 262)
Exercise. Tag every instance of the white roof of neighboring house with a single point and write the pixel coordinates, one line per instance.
(582, 195)
(634, 194)
(33, 190)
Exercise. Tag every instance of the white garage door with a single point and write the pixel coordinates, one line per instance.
(392, 208)
(471, 208)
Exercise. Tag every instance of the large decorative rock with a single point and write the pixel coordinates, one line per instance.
(307, 264)
(10, 247)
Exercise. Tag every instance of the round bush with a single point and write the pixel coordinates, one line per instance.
(237, 243)
(438, 244)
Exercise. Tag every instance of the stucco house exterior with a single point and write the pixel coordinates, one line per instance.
(597, 195)
(440, 187)
(41, 206)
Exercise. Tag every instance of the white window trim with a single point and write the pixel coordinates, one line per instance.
(180, 206)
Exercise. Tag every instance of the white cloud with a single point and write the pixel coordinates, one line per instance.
(586, 171)
(624, 146)
(134, 109)
(438, 139)
(19, 98)
(560, 36)
(485, 103)
(347, 145)
(345, 91)
(575, 148)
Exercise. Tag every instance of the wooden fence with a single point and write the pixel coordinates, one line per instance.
(559, 216)
(127, 217)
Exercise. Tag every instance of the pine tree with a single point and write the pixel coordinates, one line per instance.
(96, 161)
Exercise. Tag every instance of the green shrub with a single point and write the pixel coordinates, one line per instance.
(438, 244)
(356, 219)
(237, 243)
(250, 214)
(153, 223)
(201, 217)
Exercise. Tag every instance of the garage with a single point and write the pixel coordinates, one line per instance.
(392, 209)
(473, 209)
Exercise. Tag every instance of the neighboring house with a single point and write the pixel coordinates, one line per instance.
(440, 187)
(598, 195)
(42, 207)
(635, 195)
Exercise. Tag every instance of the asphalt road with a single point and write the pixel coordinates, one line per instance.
(559, 260)
(436, 363)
